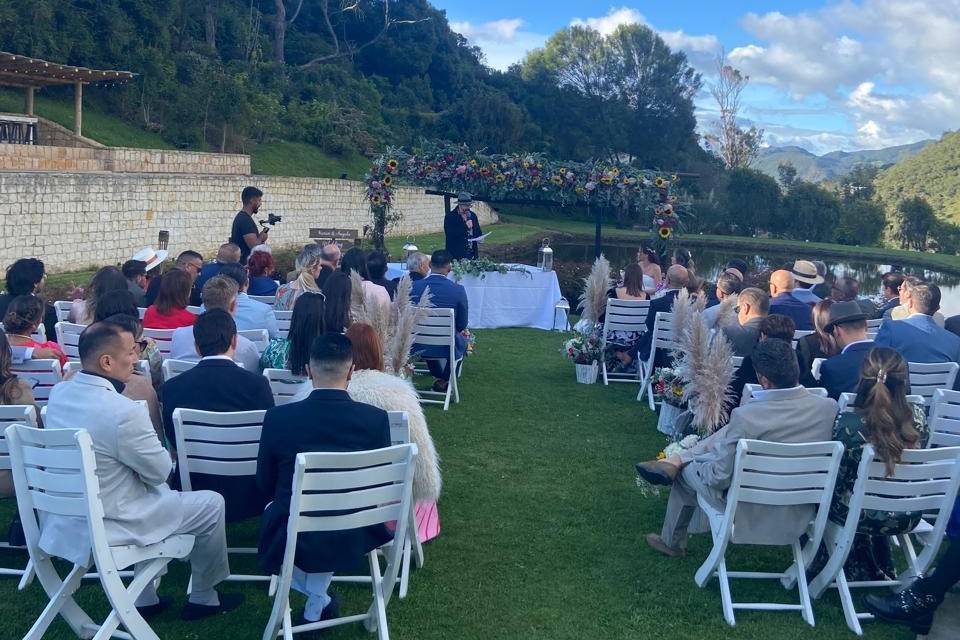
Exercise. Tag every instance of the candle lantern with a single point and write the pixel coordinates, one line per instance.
(163, 239)
(409, 248)
(545, 256)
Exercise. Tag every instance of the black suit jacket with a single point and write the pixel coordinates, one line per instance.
(841, 373)
(219, 385)
(328, 420)
(660, 305)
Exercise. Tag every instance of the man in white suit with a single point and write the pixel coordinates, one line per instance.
(783, 412)
(132, 467)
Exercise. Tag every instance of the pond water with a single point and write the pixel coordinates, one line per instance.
(573, 261)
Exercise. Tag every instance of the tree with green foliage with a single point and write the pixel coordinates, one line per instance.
(753, 199)
(913, 223)
(809, 212)
(787, 175)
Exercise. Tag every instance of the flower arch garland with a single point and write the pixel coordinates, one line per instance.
(533, 177)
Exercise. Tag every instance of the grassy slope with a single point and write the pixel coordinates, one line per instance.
(542, 528)
(932, 174)
(299, 159)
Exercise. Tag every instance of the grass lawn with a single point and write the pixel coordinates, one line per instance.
(300, 159)
(542, 529)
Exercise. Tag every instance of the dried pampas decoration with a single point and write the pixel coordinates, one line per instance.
(593, 300)
(358, 300)
(725, 312)
(404, 317)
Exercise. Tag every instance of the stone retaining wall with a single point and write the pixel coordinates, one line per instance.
(20, 157)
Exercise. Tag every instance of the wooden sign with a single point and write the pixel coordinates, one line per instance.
(342, 236)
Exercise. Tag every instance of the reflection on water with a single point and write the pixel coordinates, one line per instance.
(709, 262)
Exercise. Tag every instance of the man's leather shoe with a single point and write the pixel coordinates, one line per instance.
(153, 610)
(657, 472)
(908, 607)
(658, 544)
(228, 602)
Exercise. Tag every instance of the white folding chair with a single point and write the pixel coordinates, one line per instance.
(259, 337)
(436, 327)
(172, 368)
(40, 335)
(283, 321)
(264, 299)
(777, 475)
(163, 338)
(622, 315)
(737, 362)
(143, 367)
(662, 340)
(11, 414)
(283, 384)
(815, 367)
(925, 378)
(54, 472)
(797, 334)
(141, 311)
(41, 375)
(748, 390)
(847, 399)
(62, 307)
(944, 419)
(68, 337)
(194, 309)
(218, 444)
(374, 487)
(873, 326)
(925, 480)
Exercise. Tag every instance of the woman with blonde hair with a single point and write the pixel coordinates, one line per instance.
(818, 344)
(308, 267)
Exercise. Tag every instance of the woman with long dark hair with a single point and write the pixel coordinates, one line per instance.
(338, 289)
(620, 342)
(306, 323)
(169, 310)
(818, 344)
(649, 262)
(105, 280)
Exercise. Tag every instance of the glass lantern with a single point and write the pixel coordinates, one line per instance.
(409, 248)
(163, 239)
(545, 256)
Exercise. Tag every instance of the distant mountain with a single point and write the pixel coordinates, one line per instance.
(832, 165)
(934, 174)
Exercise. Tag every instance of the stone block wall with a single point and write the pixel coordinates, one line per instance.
(73, 220)
(52, 134)
(23, 157)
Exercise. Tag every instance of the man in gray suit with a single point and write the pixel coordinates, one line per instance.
(132, 467)
(783, 412)
(753, 305)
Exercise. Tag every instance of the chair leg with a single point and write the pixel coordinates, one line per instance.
(280, 613)
(405, 567)
(798, 563)
(417, 546)
(28, 575)
(603, 369)
(846, 600)
(725, 596)
(122, 599)
(61, 601)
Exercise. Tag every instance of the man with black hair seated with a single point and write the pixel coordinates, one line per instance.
(444, 294)
(189, 261)
(133, 467)
(296, 428)
(218, 384)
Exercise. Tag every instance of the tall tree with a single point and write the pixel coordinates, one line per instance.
(733, 144)
(913, 223)
(787, 175)
(280, 25)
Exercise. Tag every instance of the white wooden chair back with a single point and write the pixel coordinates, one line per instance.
(216, 444)
(873, 326)
(68, 337)
(259, 337)
(41, 375)
(141, 311)
(163, 338)
(437, 328)
(62, 308)
(40, 335)
(373, 487)
(623, 315)
(283, 321)
(399, 427)
(283, 384)
(172, 368)
(194, 309)
(737, 362)
(13, 414)
(926, 378)
(142, 366)
(270, 300)
(662, 339)
(799, 333)
(945, 419)
(748, 390)
(847, 400)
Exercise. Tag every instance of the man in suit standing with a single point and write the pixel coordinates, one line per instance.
(295, 428)
(753, 305)
(784, 303)
(919, 338)
(459, 226)
(783, 412)
(132, 467)
(444, 294)
(677, 278)
(848, 324)
(218, 384)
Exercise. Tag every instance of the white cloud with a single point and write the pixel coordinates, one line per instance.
(503, 41)
(504, 30)
(615, 17)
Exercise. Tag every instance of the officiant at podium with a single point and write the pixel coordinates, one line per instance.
(459, 226)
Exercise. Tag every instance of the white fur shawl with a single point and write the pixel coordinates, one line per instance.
(390, 393)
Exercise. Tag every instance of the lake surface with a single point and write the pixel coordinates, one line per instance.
(573, 261)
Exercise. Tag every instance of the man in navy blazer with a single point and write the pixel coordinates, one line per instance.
(216, 383)
(327, 420)
(677, 278)
(919, 338)
(444, 294)
(848, 324)
(784, 303)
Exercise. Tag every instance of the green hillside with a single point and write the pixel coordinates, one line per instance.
(933, 174)
(813, 168)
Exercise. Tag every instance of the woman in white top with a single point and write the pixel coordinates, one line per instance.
(356, 260)
(649, 263)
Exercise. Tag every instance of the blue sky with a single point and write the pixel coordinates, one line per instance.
(824, 75)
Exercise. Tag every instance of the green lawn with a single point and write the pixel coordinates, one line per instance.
(300, 159)
(542, 528)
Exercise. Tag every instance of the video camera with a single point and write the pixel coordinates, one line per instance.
(272, 219)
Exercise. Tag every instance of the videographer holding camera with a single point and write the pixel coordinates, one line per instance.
(243, 232)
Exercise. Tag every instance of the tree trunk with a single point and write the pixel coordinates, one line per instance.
(279, 30)
(211, 25)
(223, 139)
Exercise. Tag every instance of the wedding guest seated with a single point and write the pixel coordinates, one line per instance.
(218, 384)
(783, 302)
(649, 261)
(883, 418)
(903, 311)
(728, 286)
(356, 260)
(135, 271)
(190, 262)
(336, 308)
(822, 290)
(806, 277)
(169, 311)
(261, 266)
(620, 342)
(782, 412)
(106, 279)
(848, 325)
(684, 258)
(122, 303)
(292, 352)
(847, 289)
(890, 290)
(330, 260)
(444, 294)
(133, 467)
(220, 292)
(377, 268)
(250, 313)
(677, 278)
(13, 390)
(26, 277)
(818, 344)
(308, 267)
(23, 316)
(741, 267)
(918, 338)
(772, 327)
(418, 266)
(228, 253)
(294, 428)
(753, 305)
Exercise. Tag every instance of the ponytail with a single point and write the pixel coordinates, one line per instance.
(882, 404)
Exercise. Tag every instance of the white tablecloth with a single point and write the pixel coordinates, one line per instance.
(510, 299)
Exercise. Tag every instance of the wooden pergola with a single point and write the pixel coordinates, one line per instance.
(30, 74)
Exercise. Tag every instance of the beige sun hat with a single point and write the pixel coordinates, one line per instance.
(806, 271)
(150, 257)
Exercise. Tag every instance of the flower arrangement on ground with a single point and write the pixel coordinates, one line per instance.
(668, 387)
(583, 348)
(674, 447)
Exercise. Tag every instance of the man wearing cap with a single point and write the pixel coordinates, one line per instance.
(806, 276)
(459, 226)
(848, 325)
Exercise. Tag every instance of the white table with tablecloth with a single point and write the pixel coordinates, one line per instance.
(512, 299)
